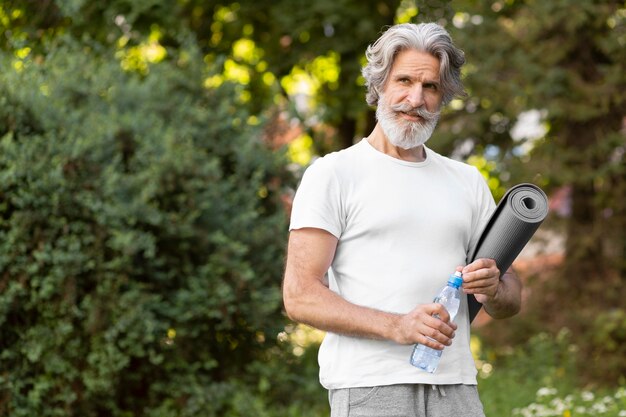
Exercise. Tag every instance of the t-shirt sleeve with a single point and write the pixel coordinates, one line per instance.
(485, 206)
(317, 202)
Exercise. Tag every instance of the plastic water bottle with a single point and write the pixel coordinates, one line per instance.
(427, 358)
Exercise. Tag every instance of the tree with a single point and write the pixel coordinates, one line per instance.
(287, 34)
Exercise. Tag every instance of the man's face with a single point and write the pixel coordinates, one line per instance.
(408, 108)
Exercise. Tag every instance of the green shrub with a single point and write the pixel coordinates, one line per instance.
(579, 404)
(141, 241)
(607, 347)
(514, 375)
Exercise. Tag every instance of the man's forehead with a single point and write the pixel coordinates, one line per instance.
(412, 60)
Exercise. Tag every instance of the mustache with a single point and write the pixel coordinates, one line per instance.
(415, 111)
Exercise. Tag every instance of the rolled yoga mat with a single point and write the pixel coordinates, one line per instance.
(516, 218)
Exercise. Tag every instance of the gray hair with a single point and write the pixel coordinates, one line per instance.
(426, 37)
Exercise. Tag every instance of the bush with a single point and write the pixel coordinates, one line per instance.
(141, 241)
(607, 346)
(510, 379)
(580, 404)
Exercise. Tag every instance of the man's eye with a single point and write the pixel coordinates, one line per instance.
(431, 86)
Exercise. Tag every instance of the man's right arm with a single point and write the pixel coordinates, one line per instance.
(308, 299)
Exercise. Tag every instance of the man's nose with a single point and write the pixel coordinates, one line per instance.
(415, 97)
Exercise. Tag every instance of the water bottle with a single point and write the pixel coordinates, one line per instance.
(427, 358)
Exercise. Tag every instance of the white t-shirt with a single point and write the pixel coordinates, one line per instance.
(403, 227)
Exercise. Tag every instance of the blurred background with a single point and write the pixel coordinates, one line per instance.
(149, 151)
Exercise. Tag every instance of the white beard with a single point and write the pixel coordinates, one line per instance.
(404, 133)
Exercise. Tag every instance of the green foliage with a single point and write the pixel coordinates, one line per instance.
(288, 33)
(607, 346)
(580, 404)
(141, 241)
(542, 377)
(544, 361)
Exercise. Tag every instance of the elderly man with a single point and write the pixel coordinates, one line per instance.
(375, 231)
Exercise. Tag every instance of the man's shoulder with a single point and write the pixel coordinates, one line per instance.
(333, 161)
(461, 167)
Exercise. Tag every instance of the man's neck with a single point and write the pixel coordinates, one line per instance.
(379, 141)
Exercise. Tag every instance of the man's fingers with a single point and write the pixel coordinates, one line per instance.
(437, 309)
(434, 339)
(484, 273)
(439, 330)
(432, 343)
(481, 277)
(429, 324)
(482, 265)
(476, 285)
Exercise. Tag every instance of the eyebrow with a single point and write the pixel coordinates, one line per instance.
(410, 77)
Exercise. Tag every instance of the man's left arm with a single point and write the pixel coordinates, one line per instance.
(501, 296)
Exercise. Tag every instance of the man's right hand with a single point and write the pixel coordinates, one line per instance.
(420, 326)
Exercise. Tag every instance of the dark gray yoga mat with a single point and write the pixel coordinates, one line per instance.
(516, 218)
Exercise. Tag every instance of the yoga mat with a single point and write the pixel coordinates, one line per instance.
(516, 218)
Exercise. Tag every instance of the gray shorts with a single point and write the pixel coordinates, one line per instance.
(406, 400)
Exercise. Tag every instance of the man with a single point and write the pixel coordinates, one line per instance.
(376, 230)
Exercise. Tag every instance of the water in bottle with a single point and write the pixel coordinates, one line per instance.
(427, 358)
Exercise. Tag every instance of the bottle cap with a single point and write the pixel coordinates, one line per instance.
(456, 279)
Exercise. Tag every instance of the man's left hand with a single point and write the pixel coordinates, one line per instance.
(481, 278)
